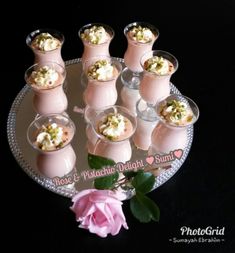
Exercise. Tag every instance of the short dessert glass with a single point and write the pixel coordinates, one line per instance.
(48, 100)
(167, 136)
(154, 86)
(92, 50)
(45, 56)
(131, 74)
(58, 162)
(98, 93)
(119, 151)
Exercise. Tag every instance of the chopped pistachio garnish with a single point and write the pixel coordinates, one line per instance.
(50, 137)
(176, 112)
(46, 42)
(95, 35)
(101, 70)
(44, 77)
(112, 126)
(141, 34)
(158, 65)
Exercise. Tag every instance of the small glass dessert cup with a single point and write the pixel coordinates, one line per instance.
(158, 67)
(146, 122)
(51, 135)
(140, 37)
(46, 79)
(176, 113)
(102, 73)
(96, 38)
(46, 45)
(114, 127)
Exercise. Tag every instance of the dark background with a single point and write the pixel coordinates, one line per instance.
(202, 37)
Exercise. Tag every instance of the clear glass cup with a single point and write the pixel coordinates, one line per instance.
(45, 56)
(146, 122)
(48, 100)
(99, 93)
(58, 162)
(154, 86)
(119, 151)
(166, 136)
(91, 50)
(131, 74)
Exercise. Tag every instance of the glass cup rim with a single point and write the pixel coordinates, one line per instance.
(153, 29)
(163, 52)
(31, 36)
(48, 116)
(42, 64)
(171, 124)
(102, 137)
(97, 24)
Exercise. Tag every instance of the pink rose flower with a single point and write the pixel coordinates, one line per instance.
(99, 211)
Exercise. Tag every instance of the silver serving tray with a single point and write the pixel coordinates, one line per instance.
(22, 114)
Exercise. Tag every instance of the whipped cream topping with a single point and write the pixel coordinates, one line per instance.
(141, 34)
(46, 42)
(112, 126)
(95, 35)
(176, 112)
(50, 137)
(45, 76)
(101, 70)
(158, 65)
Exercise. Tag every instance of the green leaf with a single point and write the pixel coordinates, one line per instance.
(144, 209)
(97, 162)
(130, 174)
(106, 182)
(143, 181)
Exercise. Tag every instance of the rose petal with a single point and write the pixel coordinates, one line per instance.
(100, 219)
(82, 193)
(80, 205)
(104, 196)
(100, 231)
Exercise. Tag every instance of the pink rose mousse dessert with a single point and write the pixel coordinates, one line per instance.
(114, 130)
(102, 74)
(46, 45)
(175, 113)
(51, 136)
(141, 37)
(46, 82)
(96, 39)
(158, 67)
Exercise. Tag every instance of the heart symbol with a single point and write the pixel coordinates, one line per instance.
(178, 153)
(149, 159)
